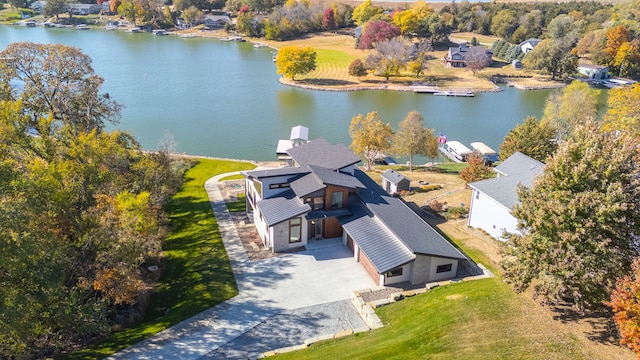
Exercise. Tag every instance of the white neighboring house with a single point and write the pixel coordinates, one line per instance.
(593, 71)
(493, 199)
(38, 6)
(529, 44)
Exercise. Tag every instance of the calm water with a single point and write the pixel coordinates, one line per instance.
(223, 98)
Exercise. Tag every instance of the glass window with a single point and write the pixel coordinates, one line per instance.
(444, 268)
(295, 230)
(336, 199)
(394, 272)
(318, 203)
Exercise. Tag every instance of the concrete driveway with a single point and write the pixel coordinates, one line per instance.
(312, 281)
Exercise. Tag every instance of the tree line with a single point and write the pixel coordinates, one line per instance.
(80, 207)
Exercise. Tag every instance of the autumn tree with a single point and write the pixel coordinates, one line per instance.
(370, 137)
(504, 23)
(58, 80)
(376, 32)
(329, 19)
(294, 60)
(357, 68)
(54, 8)
(412, 138)
(192, 15)
(625, 304)
(531, 138)
(577, 221)
(478, 60)
(555, 57)
(623, 112)
(419, 63)
(389, 57)
(365, 11)
(570, 107)
(476, 169)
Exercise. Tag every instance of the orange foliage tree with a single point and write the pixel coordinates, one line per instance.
(625, 303)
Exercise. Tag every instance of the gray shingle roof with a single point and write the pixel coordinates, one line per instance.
(518, 163)
(393, 176)
(518, 169)
(321, 153)
(380, 245)
(307, 185)
(323, 214)
(281, 208)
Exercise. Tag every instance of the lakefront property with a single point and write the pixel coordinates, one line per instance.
(323, 195)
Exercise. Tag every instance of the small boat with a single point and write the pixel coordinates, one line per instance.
(258, 46)
(111, 26)
(135, 30)
(189, 35)
(82, 27)
(160, 32)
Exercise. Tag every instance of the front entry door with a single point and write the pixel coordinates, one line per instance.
(315, 229)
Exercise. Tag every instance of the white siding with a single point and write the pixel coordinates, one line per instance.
(266, 192)
(406, 275)
(490, 216)
(435, 262)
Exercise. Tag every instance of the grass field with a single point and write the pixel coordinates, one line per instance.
(196, 275)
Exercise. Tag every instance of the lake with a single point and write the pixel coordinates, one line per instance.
(223, 99)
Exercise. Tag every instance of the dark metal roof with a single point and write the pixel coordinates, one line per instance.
(281, 208)
(321, 153)
(518, 163)
(323, 214)
(331, 177)
(517, 169)
(381, 246)
(409, 228)
(393, 176)
(276, 172)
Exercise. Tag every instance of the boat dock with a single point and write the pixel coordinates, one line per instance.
(455, 93)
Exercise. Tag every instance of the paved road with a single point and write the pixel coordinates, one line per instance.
(272, 294)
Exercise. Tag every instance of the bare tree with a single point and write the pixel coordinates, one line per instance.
(389, 57)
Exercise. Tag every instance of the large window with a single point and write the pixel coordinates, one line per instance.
(444, 268)
(295, 230)
(336, 199)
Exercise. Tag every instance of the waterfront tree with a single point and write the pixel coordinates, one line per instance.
(531, 138)
(555, 57)
(389, 57)
(567, 108)
(476, 169)
(295, 60)
(579, 221)
(58, 81)
(357, 69)
(623, 112)
(412, 138)
(370, 137)
(54, 8)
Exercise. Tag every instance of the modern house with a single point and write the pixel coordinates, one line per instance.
(593, 71)
(323, 195)
(458, 56)
(394, 182)
(492, 200)
(529, 44)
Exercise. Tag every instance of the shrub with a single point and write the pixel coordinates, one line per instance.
(430, 187)
(456, 212)
(436, 205)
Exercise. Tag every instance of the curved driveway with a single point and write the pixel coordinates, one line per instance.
(277, 296)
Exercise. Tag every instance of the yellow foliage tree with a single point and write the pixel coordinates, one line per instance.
(623, 112)
(294, 60)
(370, 136)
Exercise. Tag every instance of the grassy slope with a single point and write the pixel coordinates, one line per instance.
(197, 273)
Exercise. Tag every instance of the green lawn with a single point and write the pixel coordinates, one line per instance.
(468, 320)
(197, 273)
